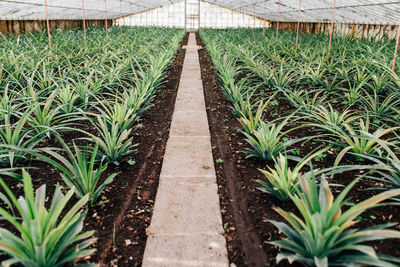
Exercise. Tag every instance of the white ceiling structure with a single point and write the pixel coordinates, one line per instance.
(347, 11)
(72, 9)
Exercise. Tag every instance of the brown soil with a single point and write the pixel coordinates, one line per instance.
(122, 218)
(245, 209)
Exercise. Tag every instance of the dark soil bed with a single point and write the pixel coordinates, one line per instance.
(246, 210)
(127, 204)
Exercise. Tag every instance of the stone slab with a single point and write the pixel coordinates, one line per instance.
(186, 227)
(191, 73)
(192, 84)
(188, 157)
(186, 100)
(192, 68)
(187, 206)
(198, 250)
(189, 123)
(192, 46)
(192, 61)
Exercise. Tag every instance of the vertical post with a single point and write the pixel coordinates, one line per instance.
(248, 19)
(277, 25)
(106, 19)
(362, 32)
(332, 27)
(397, 47)
(48, 25)
(120, 15)
(298, 26)
(157, 11)
(254, 15)
(199, 13)
(130, 15)
(220, 17)
(232, 21)
(368, 28)
(84, 23)
(241, 23)
(141, 20)
(265, 17)
(185, 26)
(353, 30)
(254, 8)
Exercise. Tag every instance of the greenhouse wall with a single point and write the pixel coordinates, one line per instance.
(25, 26)
(208, 16)
(350, 29)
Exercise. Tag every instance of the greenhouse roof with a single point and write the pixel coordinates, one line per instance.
(72, 9)
(349, 11)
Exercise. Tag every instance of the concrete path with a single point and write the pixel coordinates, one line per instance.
(186, 228)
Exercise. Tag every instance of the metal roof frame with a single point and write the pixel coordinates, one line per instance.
(72, 9)
(386, 12)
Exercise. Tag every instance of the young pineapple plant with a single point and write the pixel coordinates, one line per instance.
(114, 143)
(324, 236)
(269, 139)
(47, 237)
(282, 181)
(79, 171)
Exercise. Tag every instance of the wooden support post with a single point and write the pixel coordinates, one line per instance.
(84, 23)
(106, 19)
(353, 30)
(362, 32)
(332, 28)
(146, 18)
(120, 15)
(396, 49)
(254, 15)
(277, 24)
(48, 25)
(185, 14)
(383, 32)
(220, 17)
(265, 17)
(242, 19)
(254, 20)
(232, 17)
(130, 15)
(298, 25)
(157, 17)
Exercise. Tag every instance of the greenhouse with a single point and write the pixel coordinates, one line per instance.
(190, 133)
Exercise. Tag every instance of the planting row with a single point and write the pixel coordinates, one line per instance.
(75, 111)
(310, 120)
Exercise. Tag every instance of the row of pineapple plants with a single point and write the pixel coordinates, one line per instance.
(98, 94)
(349, 102)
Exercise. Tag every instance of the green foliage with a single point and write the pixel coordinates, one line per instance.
(45, 118)
(17, 140)
(322, 235)
(78, 170)
(252, 123)
(120, 113)
(67, 99)
(269, 140)
(46, 237)
(115, 143)
(387, 168)
(358, 140)
(282, 180)
(322, 117)
(381, 108)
